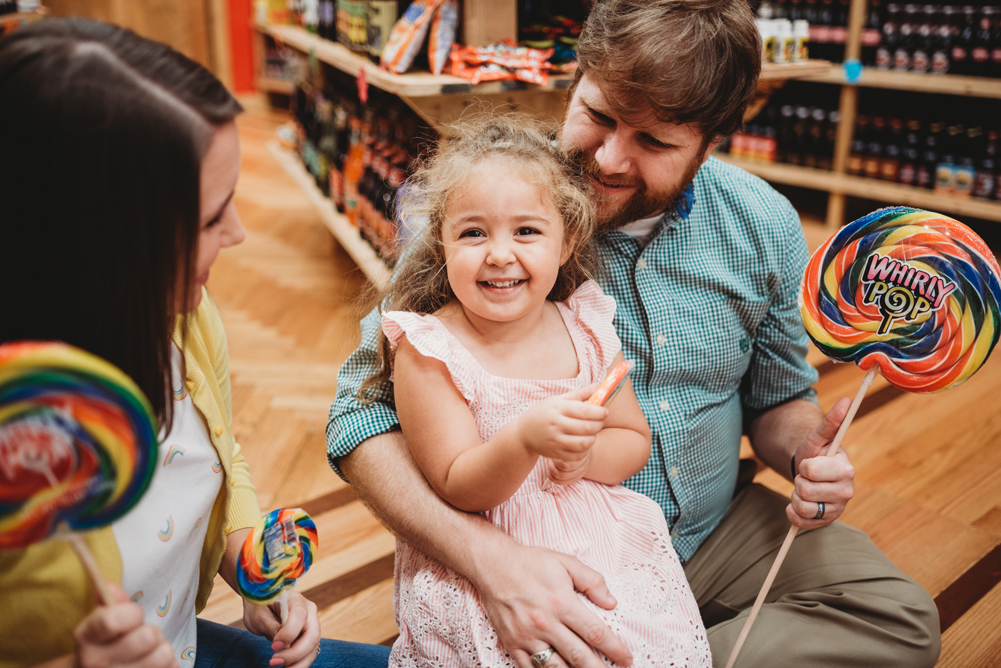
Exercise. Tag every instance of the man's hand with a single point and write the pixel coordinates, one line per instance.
(115, 635)
(821, 478)
(296, 643)
(567, 473)
(529, 597)
(563, 427)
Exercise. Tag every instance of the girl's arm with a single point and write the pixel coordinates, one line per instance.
(621, 449)
(442, 434)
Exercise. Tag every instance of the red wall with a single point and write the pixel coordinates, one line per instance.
(241, 45)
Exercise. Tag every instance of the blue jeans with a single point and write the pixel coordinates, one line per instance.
(226, 647)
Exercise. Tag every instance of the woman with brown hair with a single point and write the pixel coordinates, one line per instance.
(119, 167)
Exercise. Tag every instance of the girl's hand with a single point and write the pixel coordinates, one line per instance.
(296, 644)
(115, 635)
(562, 427)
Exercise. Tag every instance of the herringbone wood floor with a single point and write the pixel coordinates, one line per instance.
(928, 485)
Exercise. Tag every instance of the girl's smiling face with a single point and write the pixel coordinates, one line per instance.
(504, 243)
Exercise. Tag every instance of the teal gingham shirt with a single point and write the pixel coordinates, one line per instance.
(707, 310)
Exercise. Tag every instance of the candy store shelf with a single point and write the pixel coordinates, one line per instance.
(412, 84)
(275, 86)
(347, 235)
(949, 84)
(425, 84)
(875, 189)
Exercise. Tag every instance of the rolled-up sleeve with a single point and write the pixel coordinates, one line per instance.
(351, 422)
(779, 372)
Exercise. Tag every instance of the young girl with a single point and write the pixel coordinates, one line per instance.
(496, 338)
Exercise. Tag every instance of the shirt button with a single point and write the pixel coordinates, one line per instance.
(674, 471)
(665, 406)
(641, 264)
(190, 384)
(661, 339)
(232, 483)
(218, 431)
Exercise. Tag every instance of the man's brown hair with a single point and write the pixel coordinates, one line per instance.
(687, 61)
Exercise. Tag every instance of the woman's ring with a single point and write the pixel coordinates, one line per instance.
(541, 659)
(820, 511)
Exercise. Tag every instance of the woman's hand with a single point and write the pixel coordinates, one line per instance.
(562, 427)
(115, 635)
(297, 643)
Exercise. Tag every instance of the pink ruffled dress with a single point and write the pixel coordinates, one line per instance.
(618, 532)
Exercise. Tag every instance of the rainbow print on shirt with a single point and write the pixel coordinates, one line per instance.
(162, 610)
(174, 451)
(180, 394)
(216, 466)
(188, 654)
(165, 533)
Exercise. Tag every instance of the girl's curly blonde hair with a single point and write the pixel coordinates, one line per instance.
(527, 147)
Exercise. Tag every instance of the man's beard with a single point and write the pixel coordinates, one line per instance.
(642, 204)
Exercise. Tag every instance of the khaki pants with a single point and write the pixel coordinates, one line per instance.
(837, 600)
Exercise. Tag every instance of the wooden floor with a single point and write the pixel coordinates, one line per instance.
(928, 468)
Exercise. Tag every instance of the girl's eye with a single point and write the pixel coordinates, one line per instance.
(527, 230)
(471, 233)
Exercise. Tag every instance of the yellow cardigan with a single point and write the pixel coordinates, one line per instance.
(44, 591)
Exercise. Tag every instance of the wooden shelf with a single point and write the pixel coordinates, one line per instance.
(807, 69)
(949, 84)
(346, 234)
(425, 84)
(275, 86)
(875, 189)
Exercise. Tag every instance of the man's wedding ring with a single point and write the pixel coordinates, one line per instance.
(820, 511)
(541, 659)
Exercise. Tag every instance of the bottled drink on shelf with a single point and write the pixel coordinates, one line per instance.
(856, 155)
(871, 34)
(874, 148)
(941, 59)
(929, 157)
(381, 16)
(891, 36)
(945, 171)
(906, 40)
(910, 156)
(986, 179)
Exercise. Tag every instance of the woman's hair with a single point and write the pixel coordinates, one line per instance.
(99, 186)
(525, 146)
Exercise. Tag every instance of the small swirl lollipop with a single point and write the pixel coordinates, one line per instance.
(279, 550)
(77, 444)
(913, 292)
(907, 292)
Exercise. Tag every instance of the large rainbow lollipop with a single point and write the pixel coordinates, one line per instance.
(77, 443)
(275, 554)
(914, 292)
(910, 293)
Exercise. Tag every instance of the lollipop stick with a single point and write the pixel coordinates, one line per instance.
(283, 606)
(793, 530)
(79, 546)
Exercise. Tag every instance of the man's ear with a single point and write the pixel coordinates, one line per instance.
(710, 148)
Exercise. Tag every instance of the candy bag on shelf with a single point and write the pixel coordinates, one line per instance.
(443, 27)
(408, 35)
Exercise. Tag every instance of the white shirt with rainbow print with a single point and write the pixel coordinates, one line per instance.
(161, 539)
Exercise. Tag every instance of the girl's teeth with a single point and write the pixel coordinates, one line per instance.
(504, 284)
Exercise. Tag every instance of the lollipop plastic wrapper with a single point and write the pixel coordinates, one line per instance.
(279, 550)
(906, 292)
(77, 446)
(606, 392)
